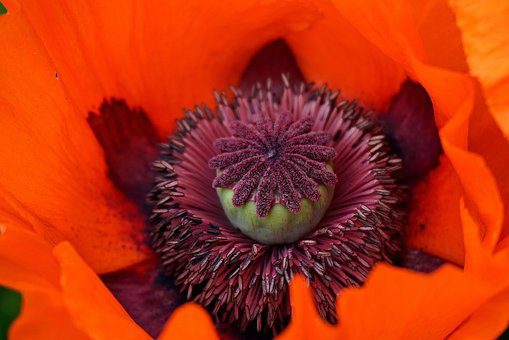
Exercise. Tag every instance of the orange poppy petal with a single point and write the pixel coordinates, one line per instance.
(436, 22)
(484, 196)
(432, 227)
(305, 323)
(487, 322)
(53, 173)
(486, 40)
(453, 94)
(396, 303)
(494, 150)
(189, 321)
(162, 56)
(400, 40)
(333, 51)
(34, 272)
(481, 261)
(62, 296)
(485, 36)
(93, 308)
(492, 317)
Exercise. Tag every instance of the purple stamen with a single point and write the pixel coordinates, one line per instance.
(270, 152)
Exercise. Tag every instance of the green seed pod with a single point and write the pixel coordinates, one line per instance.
(281, 225)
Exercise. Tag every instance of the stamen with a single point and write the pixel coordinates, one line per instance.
(275, 148)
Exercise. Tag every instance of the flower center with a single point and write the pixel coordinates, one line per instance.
(306, 184)
(277, 161)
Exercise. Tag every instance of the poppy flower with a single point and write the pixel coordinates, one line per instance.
(88, 90)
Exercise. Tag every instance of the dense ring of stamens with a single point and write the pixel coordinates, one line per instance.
(281, 160)
(245, 282)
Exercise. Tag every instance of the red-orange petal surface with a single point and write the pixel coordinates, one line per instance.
(53, 173)
(189, 321)
(160, 55)
(485, 34)
(62, 296)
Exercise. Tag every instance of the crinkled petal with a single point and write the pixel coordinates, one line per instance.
(485, 34)
(436, 22)
(453, 94)
(62, 296)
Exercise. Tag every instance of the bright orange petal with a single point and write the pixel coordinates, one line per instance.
(62, 296)
(53, 174)
(162, 56)
(453, 94)
(396, 303)
(483, 196)
(93, 308)
(486, 40)
(488, 321)
(400, 40)
(333, 51)
(494, 150)
(305, 323)
(485, 36)
(28, 266)
(189, 321)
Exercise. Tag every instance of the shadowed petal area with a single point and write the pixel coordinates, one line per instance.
(410, 125)
(129, 143)
(271, 61)
(147, 295)
(53, 172)
(419, 261)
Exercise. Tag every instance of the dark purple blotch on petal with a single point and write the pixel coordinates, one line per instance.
(129, 141)
(418, 261)
(147, 294)
(271, 61)
(410, 126)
